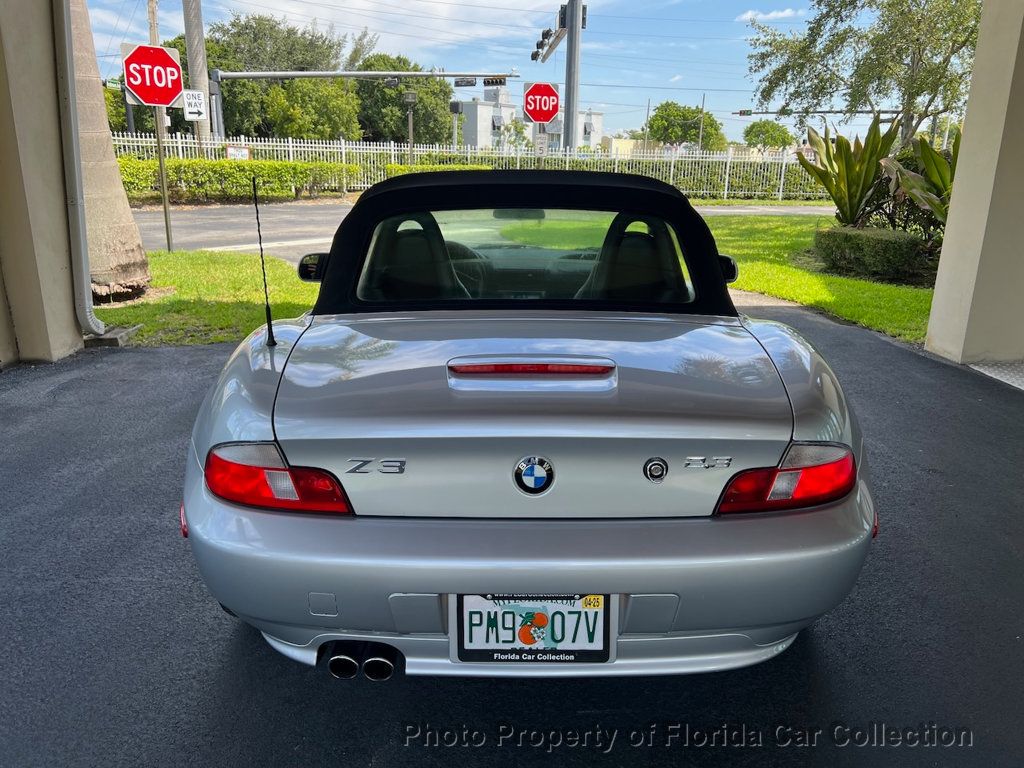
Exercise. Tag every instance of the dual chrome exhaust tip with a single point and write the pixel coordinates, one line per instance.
(376, 660)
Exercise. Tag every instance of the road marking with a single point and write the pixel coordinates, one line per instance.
(273, 244)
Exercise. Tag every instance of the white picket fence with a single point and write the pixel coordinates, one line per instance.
(698, 174)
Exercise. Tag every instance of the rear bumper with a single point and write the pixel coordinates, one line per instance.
(694, 594)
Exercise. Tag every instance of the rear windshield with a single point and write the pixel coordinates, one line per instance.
(525, 254)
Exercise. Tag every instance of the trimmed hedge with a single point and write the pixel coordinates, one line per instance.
(396, 169)
(206, 181)
(876, 254)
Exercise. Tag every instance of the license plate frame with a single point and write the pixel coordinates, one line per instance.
(516, 654)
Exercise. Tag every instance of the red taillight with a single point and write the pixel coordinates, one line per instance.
(254, 474)
(811, 474)
(530, 369)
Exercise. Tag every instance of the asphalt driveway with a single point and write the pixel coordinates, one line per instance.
(114, 654)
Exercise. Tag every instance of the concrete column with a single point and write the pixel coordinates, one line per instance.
(35, 255)
(976, 312)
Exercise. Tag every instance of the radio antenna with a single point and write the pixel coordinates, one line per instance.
(271, 342)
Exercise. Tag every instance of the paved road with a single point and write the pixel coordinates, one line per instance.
(114, 654)
(293, 229)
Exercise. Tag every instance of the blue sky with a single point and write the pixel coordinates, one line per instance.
(632, 50)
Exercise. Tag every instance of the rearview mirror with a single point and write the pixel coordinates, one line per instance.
(519, 213)
(311, 267)
(729, 269)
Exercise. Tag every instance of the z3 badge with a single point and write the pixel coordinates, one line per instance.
(384, 466)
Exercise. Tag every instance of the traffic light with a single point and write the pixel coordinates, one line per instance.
(745, 112)
(563, 15)
(492, 81)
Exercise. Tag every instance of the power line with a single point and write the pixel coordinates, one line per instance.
(607, 15)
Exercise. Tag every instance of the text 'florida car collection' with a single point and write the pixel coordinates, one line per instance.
(524, 432)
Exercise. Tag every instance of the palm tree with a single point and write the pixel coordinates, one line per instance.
(117, 262)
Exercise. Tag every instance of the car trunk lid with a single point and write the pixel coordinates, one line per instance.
(422, 415)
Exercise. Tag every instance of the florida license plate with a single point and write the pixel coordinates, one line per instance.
(534, 628)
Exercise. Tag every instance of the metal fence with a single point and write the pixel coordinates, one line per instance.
(730, 174)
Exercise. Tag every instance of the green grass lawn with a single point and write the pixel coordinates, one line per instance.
(202, 296)
(763, 247)
(198, 297)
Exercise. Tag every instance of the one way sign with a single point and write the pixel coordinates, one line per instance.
(195, 105)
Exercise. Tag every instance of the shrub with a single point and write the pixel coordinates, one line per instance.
(397, 169)
(138, 176)
(202, 180)
(876, 254)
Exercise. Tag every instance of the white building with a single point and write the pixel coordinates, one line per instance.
(483, 121)
(589, 131)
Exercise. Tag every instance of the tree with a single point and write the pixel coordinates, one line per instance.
(116, 117)
(513, 136)
(767, 134)
(382, 112)
(912, 55)
(254, 42)
(117, 263)
(673, 123)
(313, 109)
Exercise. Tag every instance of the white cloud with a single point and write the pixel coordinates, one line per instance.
(785, 13)
(425, 32)
(675, 78)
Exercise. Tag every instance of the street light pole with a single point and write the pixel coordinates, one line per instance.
(409, 97)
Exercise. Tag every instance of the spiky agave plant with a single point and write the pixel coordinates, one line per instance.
(849, 172)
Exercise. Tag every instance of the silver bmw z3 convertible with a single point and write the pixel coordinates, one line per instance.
(524, 432)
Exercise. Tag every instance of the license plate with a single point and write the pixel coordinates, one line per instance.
(554, 629)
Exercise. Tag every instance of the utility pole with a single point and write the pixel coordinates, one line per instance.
(647, 122)
(129, 116)
(195, 50)
(574, 29)
(572, 20)
(159, 113)
(700, 135)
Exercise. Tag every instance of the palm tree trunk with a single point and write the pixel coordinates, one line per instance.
(117, 263)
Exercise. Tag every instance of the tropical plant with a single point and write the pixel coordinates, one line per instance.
(850, 173)
(932, 188)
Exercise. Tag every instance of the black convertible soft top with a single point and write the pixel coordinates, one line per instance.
(579, 190)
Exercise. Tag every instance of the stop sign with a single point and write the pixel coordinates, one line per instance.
(540, 102)
(153, 75)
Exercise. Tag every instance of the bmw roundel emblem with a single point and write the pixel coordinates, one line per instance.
(534, 474)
